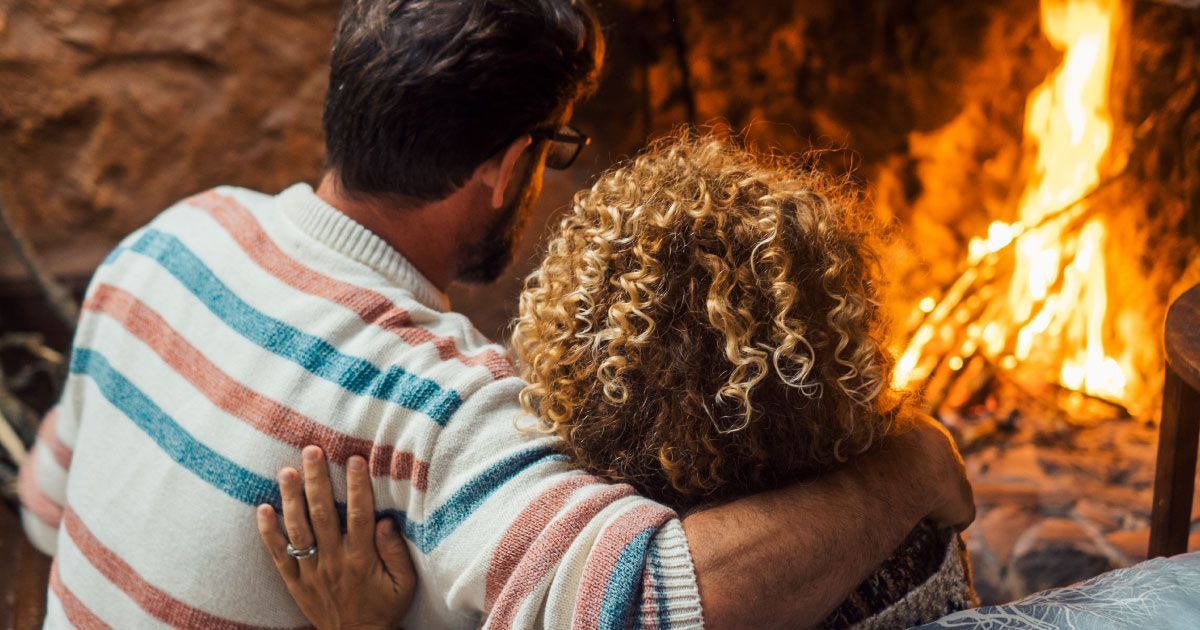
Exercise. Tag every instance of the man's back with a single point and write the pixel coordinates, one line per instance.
(216, 342)
(203, 361)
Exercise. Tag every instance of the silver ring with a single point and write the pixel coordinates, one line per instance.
(301, 553)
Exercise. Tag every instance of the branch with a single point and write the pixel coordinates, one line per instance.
(56, 295)
(685, 67)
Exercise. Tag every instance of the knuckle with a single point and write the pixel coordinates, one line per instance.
(297, 535)
(318, 515)
(356, 517)
(314, 474)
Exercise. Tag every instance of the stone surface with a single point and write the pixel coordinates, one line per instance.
(1133, 544)
(989, 493)
(1055, 510)
(1000, 528)
(1056, 552)
(1105, 516)
(113, 110)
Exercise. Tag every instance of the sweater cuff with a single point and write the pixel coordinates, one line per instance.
(670, 597)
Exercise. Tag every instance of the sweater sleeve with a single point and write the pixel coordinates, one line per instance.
(513, 534)
(42, 484)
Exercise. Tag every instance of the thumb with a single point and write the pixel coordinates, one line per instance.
(393, 552)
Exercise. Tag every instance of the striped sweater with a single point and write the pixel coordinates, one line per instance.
(237, 328)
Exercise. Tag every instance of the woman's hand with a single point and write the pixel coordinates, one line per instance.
(363, 579)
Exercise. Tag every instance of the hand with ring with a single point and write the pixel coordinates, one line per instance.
(363, 579)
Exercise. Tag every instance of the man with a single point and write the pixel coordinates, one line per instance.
(237, 328)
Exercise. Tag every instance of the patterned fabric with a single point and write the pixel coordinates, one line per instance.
(927, 555)
(1163, 594)
(237, 328)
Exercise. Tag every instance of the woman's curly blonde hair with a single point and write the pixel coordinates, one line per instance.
(705, 324)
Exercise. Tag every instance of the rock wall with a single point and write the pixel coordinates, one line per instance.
(111, 110)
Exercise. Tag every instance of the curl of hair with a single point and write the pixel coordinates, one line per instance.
(705, 324)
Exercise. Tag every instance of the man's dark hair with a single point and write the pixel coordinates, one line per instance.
(421, 92)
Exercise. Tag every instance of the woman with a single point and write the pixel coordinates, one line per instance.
(706, 325)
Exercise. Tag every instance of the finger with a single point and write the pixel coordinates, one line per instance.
(295, 520)
(394, 553)
(319, 492)
(360, 509)
(276, 544)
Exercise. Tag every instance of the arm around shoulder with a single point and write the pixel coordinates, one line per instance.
(788, 557)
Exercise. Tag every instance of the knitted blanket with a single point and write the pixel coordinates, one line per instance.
(928, 578)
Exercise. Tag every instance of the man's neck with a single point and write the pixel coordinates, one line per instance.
(420, 234)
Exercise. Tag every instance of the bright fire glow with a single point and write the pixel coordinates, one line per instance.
(1055, 308)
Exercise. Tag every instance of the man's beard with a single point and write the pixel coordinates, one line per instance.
(485, 260)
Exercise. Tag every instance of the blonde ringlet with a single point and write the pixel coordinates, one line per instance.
(706, 323)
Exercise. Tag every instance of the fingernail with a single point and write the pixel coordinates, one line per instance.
(310, 453)
(356, 463)
(389, 526)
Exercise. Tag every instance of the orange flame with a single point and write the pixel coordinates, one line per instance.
(1056, 303)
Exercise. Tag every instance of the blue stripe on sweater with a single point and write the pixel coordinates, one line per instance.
(620, 595)
(660, 600)
(253, 489)
(178, 444)
(310, 352)
(471, 495)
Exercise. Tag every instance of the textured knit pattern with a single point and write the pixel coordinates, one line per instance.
(237, 328)
(927, 578)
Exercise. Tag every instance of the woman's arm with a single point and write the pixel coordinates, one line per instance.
(779, 559)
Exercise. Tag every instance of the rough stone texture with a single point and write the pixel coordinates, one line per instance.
(114, 109)
(1055, 510)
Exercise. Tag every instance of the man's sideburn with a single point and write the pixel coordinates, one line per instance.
(484, 261)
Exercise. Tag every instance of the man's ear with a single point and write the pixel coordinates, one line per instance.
(498, 172)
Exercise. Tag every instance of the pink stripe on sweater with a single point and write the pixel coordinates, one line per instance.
(524, 531)
(649, 610)
(43, 507)
(372, 307)
(48, 436)
(262, 413)
(76, 612)
(152, 599)
(547, 551)
(603, 559)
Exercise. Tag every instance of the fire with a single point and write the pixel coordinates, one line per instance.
(1035, 290)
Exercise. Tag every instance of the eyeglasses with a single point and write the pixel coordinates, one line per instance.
(566, 143)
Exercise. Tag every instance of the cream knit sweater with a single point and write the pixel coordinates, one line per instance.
(237, 328)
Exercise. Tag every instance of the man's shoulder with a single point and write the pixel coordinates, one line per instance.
(441, 346)
(211, 202)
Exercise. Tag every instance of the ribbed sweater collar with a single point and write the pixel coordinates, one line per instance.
(326, 224)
